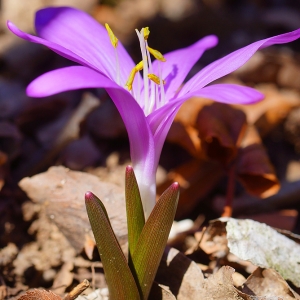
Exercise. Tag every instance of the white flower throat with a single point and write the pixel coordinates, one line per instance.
(153, 96)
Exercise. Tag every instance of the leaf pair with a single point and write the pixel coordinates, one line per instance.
(133, 280)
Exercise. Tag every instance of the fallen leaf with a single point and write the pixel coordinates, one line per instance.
(161, 292)
(220, 128)
(180, 274)
(183, 131)
(61, 192)
(220, 286)
(264, 247)
(268, 283)
(213, 240)
(190, 177)
(270, 112)
(64, 278)
(39, 295)
(255, 171)
(3, 292)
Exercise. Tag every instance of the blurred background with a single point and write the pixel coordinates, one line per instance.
(82, 130)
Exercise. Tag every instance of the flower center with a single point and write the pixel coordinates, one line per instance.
(152, 96)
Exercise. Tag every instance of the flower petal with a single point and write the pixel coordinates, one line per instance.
(179, 63)
(56, 48)
(233, 61)
(140, 137)
(161, 119)
(77, 36)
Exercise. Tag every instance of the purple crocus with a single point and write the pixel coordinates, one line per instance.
(146, 104)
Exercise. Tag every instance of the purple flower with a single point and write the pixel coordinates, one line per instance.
(149, 108)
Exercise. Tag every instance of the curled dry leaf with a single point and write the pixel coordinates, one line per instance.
(64, 278)
(220, 286)
(61, 193)
(161, 292)
(213, 240)
(39, 295)
(183, 131)
(208, 129)
(256, 172)
(254, 168)
(218, 132)
(183, 277)
(220, 128)
(190, 177)
(270, 112)
(186, 281)
(260, 281)
(264, 247)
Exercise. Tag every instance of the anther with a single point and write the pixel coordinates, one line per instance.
(146, 32)
(112, 37)
(156, 54)
(134, 70)
(155, 79)
(139, 66)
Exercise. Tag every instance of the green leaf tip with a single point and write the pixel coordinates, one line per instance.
(134, 211)
(120, 281)
(153, 238)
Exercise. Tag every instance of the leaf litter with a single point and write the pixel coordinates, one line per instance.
(41, 247)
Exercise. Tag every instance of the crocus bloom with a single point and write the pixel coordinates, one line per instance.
(146, 105)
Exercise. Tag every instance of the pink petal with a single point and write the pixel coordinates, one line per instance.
(77, 36)
(141, 140)
(233, 61)
(161, 120)
(179, 63)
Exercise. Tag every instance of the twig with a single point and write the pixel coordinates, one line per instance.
(77, 290)
(227, 212)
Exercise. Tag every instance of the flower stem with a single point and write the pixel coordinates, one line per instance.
(227, 211)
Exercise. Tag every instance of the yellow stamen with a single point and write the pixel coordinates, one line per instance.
(156, 54)
(139, 66)
(146, 33)
(130, 79)
(155, 79)
(112, 37)
(134, 70)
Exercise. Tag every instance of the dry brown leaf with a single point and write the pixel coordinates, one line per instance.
(64, 278)
(3, 292)
(39, 295)
(255, 171)
(268, 283)
(161, 292)
(220, 128)
(61, 192)
(214, 240)
(253, 166)
(191, 177)
(180, 274)
(187, 137)
(220, 286)
(270, 112)
(183, 131)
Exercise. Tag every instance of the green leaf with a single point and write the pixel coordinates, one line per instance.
(135, 212)
(120, 281)
(153, 239)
